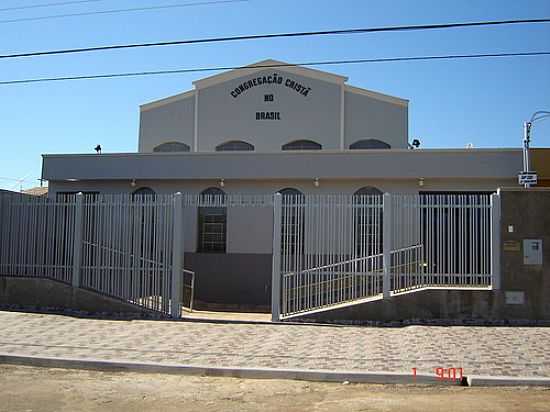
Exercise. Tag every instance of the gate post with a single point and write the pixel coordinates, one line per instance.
(386, 246)
(495, 241)
(77, 243)
(276, 260)
(177, 258)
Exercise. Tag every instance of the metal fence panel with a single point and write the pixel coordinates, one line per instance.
(347, 243)
(124, 248)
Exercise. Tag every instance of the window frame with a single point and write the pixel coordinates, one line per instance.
(186, 147)
(218, 215)
(302, 144)
(239, 146)
(369, 144)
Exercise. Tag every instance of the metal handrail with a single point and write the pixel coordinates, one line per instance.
(160, 264)
(192, 287)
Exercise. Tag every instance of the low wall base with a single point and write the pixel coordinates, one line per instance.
(21, 292)
(475, 306)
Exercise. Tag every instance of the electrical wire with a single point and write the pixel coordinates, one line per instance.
(117, 11)
(278, 35)
(274, 66)
(44, 5)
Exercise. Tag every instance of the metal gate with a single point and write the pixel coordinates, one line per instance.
(334, 250)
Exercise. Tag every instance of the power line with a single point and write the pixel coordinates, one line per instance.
(116, 11)
(278, 35)
(279, 65)
(44, 5)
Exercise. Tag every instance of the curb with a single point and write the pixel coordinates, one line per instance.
(474, 380)
(265, 373)
(235, 372)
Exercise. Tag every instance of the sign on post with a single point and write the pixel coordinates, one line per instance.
(527, 178)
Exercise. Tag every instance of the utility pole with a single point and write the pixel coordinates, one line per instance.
(526, 141)
(528, 177)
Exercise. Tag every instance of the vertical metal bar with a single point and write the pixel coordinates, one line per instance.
(177, 257)
(387, 215)
(276, 260)
(495, 241)
(77, 241)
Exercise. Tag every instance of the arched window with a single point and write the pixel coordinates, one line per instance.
(302, 145)
(144, 193)
(212, 221)
(368, 190)
(234, 145)
(367, 204)
(293, 223)
(172, 147)
(369, 144)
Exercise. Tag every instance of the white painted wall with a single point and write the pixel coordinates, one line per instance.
(172, 122)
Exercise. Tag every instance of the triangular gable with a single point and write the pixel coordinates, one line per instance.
(267, 64)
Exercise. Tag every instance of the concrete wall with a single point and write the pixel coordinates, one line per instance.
(45, 293)
(231, 279)
(369, 118)
(528, 212)
(172, 122)
(429, 164)
(223, 117)
(421, 305)
(312, 112)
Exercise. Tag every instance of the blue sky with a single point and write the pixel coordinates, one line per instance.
(452, 103)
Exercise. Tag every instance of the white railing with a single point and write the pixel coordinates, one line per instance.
(407, 269)
(36, 237)
(125, 247)
(332, 284)
(419, 241)
(125, 275)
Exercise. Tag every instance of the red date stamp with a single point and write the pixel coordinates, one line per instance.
(445, 374)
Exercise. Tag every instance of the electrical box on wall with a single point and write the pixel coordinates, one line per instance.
(532, 251)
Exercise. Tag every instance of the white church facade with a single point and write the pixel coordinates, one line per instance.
(266, 128)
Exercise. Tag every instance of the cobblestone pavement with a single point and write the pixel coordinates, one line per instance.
(497, 351)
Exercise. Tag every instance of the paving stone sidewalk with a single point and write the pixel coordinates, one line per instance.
(496, 351)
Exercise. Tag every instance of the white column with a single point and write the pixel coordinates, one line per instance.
(495, 242)
(276, 262)
(386, 247)
(342, 118)
(177, 258)
(196, 122)
(77, 245)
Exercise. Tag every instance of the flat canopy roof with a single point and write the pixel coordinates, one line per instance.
(352, 164)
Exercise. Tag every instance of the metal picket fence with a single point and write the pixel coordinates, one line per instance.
(36, 236)
(122, 246)
(328, 250)
(338, 249)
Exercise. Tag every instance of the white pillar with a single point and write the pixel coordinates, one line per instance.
(77, 245)
(495, 242)
(276, 262)
(177, 258)
(386, 247)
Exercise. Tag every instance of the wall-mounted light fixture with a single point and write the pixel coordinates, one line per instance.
(421, 182)
(222, 182)
(316, 182)
(133, 183)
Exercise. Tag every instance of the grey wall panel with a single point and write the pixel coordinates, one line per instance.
(243, 279)
(360, 164)
(348, 186)
(190, 222)
(167, 123)
(223, 117)
(369, 118)
(249, 229)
